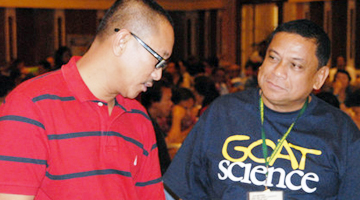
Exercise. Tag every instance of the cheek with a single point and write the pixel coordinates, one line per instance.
(142, 73)
(261, 75)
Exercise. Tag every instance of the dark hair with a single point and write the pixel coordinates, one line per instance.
(329, 97)
(344, 72)
(253, 65)
(45, 64)
(154, 93)
(59, 56)
(6, 85)
(213, 61)
(216, 70)
(15, 72)
(167, 77)
(123, 13)
(353, 99)
(205, 86)
(181, 94)
(308, 29)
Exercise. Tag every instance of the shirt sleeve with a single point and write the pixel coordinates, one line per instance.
(350, 179)
(23, 146)
(186, 176)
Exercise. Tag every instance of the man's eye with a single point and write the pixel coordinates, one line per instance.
(297, 66)
(273, 58)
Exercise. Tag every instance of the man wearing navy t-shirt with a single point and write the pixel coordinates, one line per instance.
(276, 142)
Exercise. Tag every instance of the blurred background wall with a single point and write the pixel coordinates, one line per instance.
(230, 30)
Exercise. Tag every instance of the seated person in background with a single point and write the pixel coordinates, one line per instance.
(157, 101)
(353, 102)
(329, 98)
(182, 118)
(251, 72)
(187, 79)
(6, 85)
(44, 66)
(236, 81)
(221, 80)
(341, 65)
(205, 92)
(62, 56)
(341, 87)
(16, 70)
(174, 69)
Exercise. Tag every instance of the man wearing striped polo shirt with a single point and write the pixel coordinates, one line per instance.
(78, 133)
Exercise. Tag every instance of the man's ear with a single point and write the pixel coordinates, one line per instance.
(120, 41)
(320, 77)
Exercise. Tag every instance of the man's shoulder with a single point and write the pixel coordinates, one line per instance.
(52, 81)
(246, 96)
(331, 113)
(131, 104)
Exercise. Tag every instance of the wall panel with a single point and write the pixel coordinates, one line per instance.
(339, 20)
(35, 35)
(80, 27)
(2, 38)
(357, 35)
(26, 35)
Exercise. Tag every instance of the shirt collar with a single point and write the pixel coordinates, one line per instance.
(74, 81)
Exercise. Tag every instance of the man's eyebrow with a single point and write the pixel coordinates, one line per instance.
(273, 51)
(294, 58)
(298, 59)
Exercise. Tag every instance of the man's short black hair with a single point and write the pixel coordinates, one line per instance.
(154, 93)
(125, 13)
(329, 97)
(6, 85)
(343, 72)
(353, 99)
(181, 94)
(310, 30)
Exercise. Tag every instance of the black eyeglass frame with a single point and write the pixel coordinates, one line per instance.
(161, 61)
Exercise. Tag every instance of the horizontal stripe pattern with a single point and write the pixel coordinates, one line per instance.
(52, 97)
(97, 133)
(22, 119)
(137, 143)
(120, 106)
(88, 173)
(154, 147)
(68, 166)
(135, 111)
(73, 135)
(23, 160)
(139, 112)
(143, 184)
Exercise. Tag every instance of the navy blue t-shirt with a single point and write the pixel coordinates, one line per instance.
(222, 157)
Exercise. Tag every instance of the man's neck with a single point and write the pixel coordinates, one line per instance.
(283, 107)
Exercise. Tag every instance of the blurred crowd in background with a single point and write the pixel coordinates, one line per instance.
(193, 84)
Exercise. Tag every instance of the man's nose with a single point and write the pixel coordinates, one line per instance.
(280, 70)
(156, 75)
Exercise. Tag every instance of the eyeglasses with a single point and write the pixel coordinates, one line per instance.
(161, 61)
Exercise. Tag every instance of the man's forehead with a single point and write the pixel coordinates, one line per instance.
(293, 35)
(291, 42)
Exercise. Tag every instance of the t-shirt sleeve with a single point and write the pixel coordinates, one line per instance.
(350, 178)
(186, 176)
